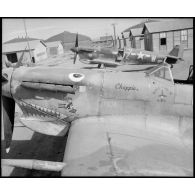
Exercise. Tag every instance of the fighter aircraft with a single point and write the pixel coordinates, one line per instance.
(118, 123)
(113, 57)
(101, 56)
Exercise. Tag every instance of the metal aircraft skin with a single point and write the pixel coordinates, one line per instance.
(118, 123)
(113, 57)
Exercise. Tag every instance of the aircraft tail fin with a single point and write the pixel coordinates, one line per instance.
(177, 51)
(175, 54)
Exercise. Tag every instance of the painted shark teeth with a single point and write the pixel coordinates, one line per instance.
(39, 111)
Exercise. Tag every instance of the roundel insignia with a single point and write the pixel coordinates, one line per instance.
(76, 77)
(90, 55)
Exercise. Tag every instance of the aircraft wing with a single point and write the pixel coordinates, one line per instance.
(117, 146)
(89, 50)
(109, 63)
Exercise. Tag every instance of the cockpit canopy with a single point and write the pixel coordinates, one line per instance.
(162, 71)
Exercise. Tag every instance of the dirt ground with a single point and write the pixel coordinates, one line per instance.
(30, 145)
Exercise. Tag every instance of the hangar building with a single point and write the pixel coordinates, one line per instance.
(136, 38)
(54, 48)
(163, 36)
(12, 51)
(123, 41)
(133, 36)
(159, 36)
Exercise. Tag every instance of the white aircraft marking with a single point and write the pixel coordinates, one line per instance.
(140, 55)
(153, 58)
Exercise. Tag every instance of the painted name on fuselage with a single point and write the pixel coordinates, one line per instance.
(120, 86)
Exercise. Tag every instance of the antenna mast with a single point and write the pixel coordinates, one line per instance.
(27, 39)
(114, 28)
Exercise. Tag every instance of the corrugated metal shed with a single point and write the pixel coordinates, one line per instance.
(140, 25)
(136, 32)
(20, 46)
(21, 39)
(53, 44)
(125, 35)
(54, 48)
(168, 25)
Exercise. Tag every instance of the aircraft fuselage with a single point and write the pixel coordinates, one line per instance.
(142, 57)
(99, 93)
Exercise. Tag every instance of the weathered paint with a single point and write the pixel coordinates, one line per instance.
(133, 145)
(103, 93)
(150, 111)
(34, 164)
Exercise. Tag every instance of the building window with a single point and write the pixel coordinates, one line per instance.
(177, 37)
(184, 38)
(163, 41)
(184, 35)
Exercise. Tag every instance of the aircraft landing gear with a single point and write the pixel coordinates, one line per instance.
(190, 75)
(99, 65)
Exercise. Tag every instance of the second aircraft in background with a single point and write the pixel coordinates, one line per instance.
(113, 57)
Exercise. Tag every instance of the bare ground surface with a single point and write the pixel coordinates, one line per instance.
(30, 145)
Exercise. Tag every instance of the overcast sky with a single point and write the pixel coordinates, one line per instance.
(45, 28)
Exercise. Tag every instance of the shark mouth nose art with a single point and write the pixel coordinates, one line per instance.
(38, 111)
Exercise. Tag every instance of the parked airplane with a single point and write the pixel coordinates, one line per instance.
(113, 57)
(118, 123)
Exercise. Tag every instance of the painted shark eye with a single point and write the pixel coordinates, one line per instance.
(76, 77)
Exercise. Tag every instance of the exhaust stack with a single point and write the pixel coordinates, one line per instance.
(34, 164)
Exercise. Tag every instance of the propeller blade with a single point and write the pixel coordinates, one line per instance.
(75, 57)
(76, 41)
(8, 120)
(75, 49)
